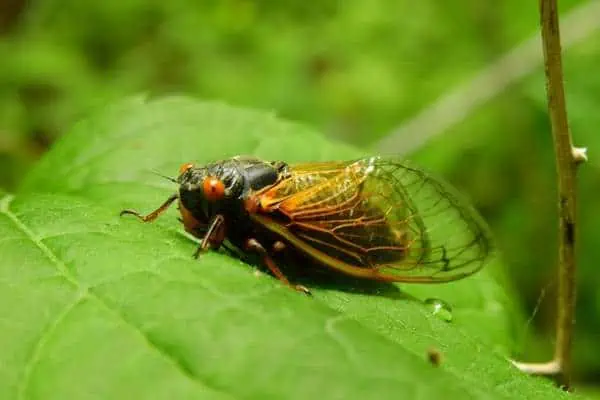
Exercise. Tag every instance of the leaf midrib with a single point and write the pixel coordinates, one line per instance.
(84, 292)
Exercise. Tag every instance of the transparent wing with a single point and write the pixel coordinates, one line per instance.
(380, 218)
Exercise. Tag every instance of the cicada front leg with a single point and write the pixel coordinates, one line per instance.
(154, 214)
(214, 236)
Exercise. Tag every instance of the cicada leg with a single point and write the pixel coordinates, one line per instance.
(214, 236)
(255, 246)
(154, 214)
(200, 232)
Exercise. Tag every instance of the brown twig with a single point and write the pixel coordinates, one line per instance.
(567, 159)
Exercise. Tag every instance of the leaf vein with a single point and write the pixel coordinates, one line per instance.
(41, 343)
(62, 268)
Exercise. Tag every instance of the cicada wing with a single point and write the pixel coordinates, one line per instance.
(380, 218)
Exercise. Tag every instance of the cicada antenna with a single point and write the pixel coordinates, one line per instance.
(155, 172)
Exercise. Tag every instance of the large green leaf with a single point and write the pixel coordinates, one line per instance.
(97, 306)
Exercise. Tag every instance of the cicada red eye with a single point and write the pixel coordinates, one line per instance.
(184, 167)
(214, 188)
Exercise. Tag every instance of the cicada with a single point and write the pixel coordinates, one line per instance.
(377, 218)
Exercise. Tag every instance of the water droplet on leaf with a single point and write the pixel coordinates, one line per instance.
(439, 308)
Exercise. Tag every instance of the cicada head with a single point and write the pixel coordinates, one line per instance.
(204, 190)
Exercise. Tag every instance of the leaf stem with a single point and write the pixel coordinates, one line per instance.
(567, 159)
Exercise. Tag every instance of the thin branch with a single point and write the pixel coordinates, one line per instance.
(452, 108)
(567, 159)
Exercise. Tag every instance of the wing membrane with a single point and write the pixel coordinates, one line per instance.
(377, 217)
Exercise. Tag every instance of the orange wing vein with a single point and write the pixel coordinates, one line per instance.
(378, 218)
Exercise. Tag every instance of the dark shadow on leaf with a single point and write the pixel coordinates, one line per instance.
(300, 270)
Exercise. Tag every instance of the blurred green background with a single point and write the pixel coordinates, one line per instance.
(357, 71)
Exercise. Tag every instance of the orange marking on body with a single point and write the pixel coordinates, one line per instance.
(190, 223)
(184, 167)
(251, 204)
(266, 200)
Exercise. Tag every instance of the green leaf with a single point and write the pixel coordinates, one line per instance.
(97, 306)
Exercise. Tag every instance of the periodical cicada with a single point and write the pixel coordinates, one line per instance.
(377, 218)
